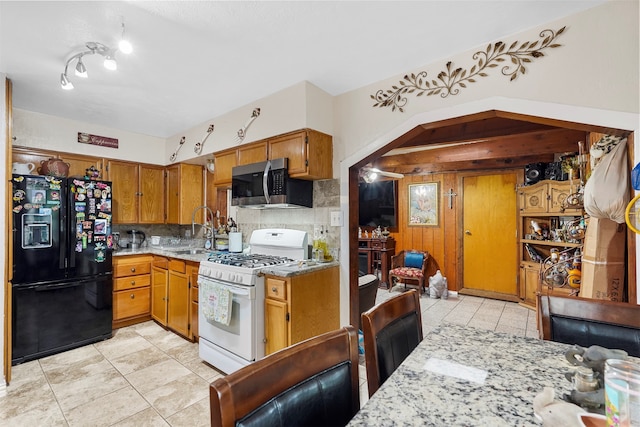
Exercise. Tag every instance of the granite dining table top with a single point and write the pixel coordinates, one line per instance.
(463, 376)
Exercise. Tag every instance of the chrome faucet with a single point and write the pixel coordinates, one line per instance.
(208, 229)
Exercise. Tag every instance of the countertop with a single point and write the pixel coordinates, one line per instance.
(281, 270)
(516, 368)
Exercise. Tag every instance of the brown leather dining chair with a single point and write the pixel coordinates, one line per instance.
(391, 330)
(313, 382)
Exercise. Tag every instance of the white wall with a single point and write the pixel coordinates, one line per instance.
(42, 131)
(595, 67)
(302, 105)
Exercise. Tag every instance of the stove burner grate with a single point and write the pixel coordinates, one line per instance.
(249, 260)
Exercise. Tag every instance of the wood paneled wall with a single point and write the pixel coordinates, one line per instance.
(441, 240)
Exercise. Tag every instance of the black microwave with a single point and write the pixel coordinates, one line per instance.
(268, 185)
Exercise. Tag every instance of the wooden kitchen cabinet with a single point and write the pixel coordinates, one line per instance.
(224, 161)
(159, 285)
(252, 153)
(300, 307)
(171, 296)
(131, 289)
(310, 153)
(138, 193)
(151, 205)
(185, 192)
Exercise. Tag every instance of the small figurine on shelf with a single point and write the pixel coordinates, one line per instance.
(92, 173)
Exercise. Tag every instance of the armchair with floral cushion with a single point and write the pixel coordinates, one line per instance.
(409, 266)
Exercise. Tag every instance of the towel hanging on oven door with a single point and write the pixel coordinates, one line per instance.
(217, 303)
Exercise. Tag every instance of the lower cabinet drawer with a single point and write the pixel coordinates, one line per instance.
(130, 303)
(131, 282)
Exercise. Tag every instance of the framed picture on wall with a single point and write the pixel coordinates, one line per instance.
(424, 209)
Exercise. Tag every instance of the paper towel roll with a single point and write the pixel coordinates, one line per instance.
(235, 241)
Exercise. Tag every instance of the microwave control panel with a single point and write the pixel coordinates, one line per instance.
(278, 183)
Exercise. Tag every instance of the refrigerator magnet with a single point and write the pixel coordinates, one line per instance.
(100, 252)
(19, 195)
(79, 246)
(97, 193)
(80, 207)
(100, 226)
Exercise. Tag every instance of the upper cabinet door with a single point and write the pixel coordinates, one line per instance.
(185, 192)
(310, 153)
(252, 153)
(124, 177)
(152, 194)
(224, 161)
(292, 147)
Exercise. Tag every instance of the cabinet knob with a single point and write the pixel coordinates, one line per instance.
(133, 282)
(133, 296)
(467, 232)
(133, 269)
(274, 290)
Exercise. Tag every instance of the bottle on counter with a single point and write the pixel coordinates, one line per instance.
(325, 246)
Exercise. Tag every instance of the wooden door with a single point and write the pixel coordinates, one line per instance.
(124, 178)
(224, 162)
(275, 325)
(490, 247)
(191, 192)
(173, 194)
(178, 307)
(252, 153)
(151, 206)
(294, 148)
(159, 283)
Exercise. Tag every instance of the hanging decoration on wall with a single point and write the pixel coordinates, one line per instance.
(198, 147)
(175, 153)
(242, 132)
(450, 81)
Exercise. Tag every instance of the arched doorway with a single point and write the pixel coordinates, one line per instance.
(513, 140)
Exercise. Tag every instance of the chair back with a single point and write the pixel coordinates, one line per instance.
(391, 330)
(314, 382)
(367, 291)
(586, 322)
(413, 259)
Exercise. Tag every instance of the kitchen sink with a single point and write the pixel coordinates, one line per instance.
(194, 251)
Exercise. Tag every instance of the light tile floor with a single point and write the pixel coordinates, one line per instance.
(145, 375)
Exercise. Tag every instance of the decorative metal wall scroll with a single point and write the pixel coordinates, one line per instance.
(242, 132)
(198, 147)
(175, 153)
(450, 81)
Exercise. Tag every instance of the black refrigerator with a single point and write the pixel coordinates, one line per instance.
(62, 247)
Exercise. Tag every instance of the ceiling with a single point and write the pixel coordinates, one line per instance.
(196, 60)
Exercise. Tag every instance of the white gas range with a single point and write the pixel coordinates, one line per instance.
(231, 297)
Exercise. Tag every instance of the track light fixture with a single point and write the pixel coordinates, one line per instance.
(93, 48)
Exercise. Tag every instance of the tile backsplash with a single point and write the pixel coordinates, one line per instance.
(326, 199)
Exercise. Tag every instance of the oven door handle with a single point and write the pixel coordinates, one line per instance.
(236, 290)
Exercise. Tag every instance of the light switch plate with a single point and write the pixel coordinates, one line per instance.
(336, 219)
